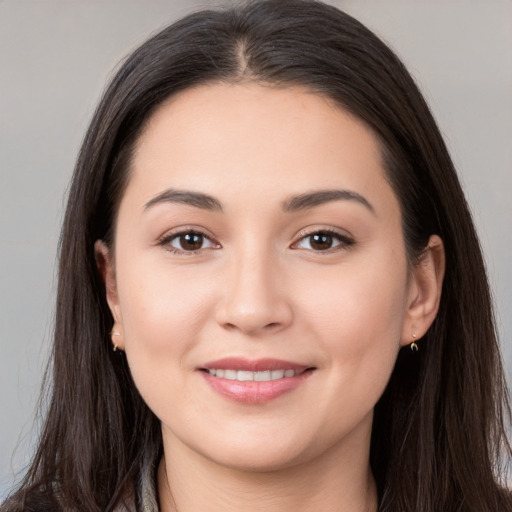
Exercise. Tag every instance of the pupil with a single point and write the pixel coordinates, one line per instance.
(321, 241)
(191, 241)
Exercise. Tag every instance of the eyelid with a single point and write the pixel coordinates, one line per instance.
(345, 238)
(170, 235)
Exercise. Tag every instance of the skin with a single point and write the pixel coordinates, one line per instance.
(258, 288)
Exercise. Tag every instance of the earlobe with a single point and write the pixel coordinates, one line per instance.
(424, 291)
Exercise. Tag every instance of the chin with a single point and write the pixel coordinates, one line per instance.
(258, 460)
(260, 453)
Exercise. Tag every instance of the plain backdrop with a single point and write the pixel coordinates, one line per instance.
(55, 58)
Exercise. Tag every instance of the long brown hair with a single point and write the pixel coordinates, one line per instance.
(438, 442)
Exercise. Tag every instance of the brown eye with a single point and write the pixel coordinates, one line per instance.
(320, 241)
(189, 241)
(323, 241)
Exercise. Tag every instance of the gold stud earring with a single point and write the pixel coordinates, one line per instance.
(114, 344)
(413, 345)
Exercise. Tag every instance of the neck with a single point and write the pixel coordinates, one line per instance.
(335, 481)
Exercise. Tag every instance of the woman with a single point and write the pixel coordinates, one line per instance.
(271, 294)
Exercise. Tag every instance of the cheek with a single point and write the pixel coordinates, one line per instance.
(163, 313)
(356, 320)
(356, 316)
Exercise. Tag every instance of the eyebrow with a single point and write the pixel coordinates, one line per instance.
(294, 204)
(317, 198)
(197, 199)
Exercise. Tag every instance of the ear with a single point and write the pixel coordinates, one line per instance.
(105, 263)
(425, 285)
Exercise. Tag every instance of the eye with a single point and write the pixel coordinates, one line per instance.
(323, 241)
(188, 242)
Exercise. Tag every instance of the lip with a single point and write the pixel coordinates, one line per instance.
(253, 365)
(254, 392)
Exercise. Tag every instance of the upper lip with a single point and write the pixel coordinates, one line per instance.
(253, 365)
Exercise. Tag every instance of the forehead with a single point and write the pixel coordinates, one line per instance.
(246, 139)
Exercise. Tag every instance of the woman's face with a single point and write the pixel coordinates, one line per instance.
(259, 279)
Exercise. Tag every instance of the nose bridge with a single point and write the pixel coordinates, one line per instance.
(254, 298)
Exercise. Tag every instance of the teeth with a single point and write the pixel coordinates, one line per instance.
(262, 376)
(276, 374)
(244, 375)
(229, 374)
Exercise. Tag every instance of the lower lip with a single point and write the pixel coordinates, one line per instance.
(255, 392)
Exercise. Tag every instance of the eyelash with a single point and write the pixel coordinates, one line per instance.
(344, 241)
(166, 241)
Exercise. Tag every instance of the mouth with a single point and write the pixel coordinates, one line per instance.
(254, 381)
(248, 376)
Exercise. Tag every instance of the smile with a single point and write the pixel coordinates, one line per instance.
(262, 376)
(254, 381)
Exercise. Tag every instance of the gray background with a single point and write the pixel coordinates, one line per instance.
(55, 57)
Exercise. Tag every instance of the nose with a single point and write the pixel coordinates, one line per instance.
(254, 300)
